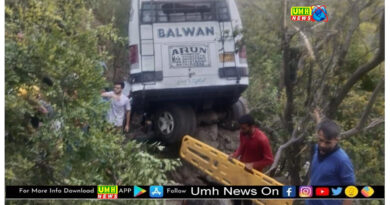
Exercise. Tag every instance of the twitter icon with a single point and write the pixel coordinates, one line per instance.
(336, 191)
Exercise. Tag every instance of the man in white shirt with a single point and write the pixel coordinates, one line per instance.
(120, 106)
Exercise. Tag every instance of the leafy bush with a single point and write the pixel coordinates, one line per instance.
(74, 146)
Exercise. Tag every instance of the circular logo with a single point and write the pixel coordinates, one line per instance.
(319, 13)
(351, 191)
(367, 191)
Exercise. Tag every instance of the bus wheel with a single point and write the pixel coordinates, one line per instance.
(172, 122)
(233, 114)
(239, 109)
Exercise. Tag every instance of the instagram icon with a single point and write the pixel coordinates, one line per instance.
(305, 191)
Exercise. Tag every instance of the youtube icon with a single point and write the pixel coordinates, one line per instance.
(322, 191)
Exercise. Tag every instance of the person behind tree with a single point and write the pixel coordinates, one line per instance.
(119, 108)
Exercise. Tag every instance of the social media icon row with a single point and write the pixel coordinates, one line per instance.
(307, 191)
(154, 191)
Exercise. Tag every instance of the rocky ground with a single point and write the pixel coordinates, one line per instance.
(215, 136)
(224, 137)
(210, 132)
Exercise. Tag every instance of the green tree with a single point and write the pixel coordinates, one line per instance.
(59, 40)
(337, 66)
(117, 14)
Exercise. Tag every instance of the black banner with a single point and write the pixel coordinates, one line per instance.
(194, 192)
(55, 192)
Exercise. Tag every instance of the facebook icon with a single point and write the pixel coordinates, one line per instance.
(289, 192)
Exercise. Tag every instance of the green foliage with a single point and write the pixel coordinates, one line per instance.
(59, 40)
(115, 13)
(263, 22)
(365, 149)
(264, 59)
(66, 40)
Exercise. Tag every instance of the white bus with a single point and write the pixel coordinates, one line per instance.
(185, 57)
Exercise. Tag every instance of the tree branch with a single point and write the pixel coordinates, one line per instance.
(294, 138)
(309, 47)
(358, 74)
(365, 114)
(280, 151)
(354, 131)
(348, 39)
(286, 73)
(367, 111)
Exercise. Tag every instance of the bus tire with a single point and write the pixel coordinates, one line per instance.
(172, 122)
(239, 109)
(234, 113)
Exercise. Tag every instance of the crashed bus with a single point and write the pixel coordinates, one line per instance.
(186, 58)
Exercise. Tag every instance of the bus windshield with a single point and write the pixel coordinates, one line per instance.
(160, 12)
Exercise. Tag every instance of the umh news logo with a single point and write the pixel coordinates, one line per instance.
(309, 13)
(107, 192)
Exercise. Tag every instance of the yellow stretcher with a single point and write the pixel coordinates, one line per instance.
(229, 172)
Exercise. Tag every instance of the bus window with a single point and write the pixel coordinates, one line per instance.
(161, 17)
(176, 17)
(193, 17)
(222, 11)
(148, 16)
(208, 16)
(223, 14)
(184, 12)
(148, 12)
